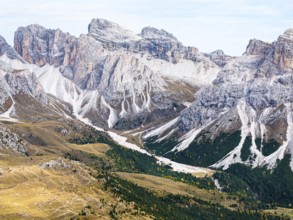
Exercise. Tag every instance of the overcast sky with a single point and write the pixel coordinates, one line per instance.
(206, 24)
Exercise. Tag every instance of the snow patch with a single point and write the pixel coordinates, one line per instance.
(167, 135)
(186, 140)
(179, 167)
(112, 115)
(158, 131)
(123, 141)
(187, 104)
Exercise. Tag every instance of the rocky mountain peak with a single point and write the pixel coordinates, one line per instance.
(257, 47)
(154, 33)
(106, 31)
(288, 34)
(283, 50)
(35, 28)
(280, 51)
(219, 57)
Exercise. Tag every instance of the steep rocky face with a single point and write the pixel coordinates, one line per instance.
(162, 44)
(111, 34)
(257, 47)
(41, 46)
(283, 50)
(117, 74)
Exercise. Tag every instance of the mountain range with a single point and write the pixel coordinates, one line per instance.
(153, 87)
(192, 111)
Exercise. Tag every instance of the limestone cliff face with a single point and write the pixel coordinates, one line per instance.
(40, 46)
(280, 51)
(283, 50)
(257, 47)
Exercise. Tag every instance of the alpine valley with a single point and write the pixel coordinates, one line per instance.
(118, 125)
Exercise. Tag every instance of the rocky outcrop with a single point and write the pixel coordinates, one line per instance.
(56, 164)
(280, 51)
(11, 141)
(257, 47)
(41, 46)
(163, 45)
(111, 34)
(219, 57)
(154, 33)
(283, 50)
